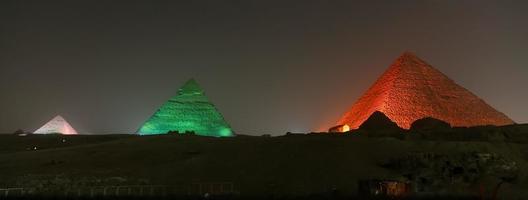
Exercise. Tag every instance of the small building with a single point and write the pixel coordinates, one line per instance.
(22, 133)
(339, 129)
(384, 188)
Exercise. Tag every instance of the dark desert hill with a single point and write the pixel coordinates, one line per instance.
(13, 143)
(290, 164)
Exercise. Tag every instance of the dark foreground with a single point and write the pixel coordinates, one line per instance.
(314, 197)
(439, 164)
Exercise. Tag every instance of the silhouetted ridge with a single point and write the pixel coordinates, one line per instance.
(429, 123)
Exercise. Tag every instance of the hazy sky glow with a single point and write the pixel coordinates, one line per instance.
(269, 66)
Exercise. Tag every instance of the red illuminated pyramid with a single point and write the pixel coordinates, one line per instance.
(411, 89)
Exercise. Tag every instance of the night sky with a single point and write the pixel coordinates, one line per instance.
(269, 66)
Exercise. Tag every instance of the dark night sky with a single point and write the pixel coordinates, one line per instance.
(268, 66)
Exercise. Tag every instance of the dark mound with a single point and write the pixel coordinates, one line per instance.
(379, 125)
(379, 121)
(429, 124)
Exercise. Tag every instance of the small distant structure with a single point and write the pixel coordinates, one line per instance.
(182, 133)
(57, 125)
(339, 129)
(384, 188)
(21, 132)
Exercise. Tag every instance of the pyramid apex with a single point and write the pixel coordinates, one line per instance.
(191, 87)
(406, 55)
(410, 61)
(191, 81)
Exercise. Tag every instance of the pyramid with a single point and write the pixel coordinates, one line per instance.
(411, 89)
(57, 125)
(189, 111)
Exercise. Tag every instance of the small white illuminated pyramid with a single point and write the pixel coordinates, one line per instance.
(57, 125)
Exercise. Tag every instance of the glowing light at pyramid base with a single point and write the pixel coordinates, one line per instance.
(151, 128)
(340, 129)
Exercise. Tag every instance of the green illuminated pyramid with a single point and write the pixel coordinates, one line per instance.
(189, 111)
